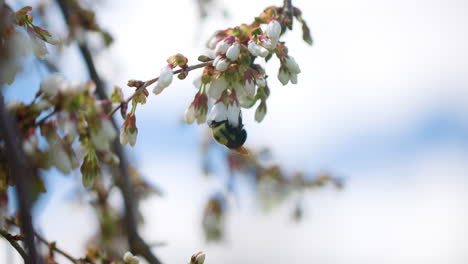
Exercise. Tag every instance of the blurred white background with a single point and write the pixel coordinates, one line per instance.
(381, 101)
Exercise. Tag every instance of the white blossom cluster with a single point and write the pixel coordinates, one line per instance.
(232, 81)
(17, 46)
(226, 51)
(65, 112)
(129, 258)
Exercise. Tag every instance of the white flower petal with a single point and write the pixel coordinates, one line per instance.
(292, 65)
(262, 52)
(218, 113)
(222, 46)
(39, 48)
(273, 30)
(217, 88)
(293, 78)
(261, 82)
(165, 77)
(54, 83)
(123, 136)
(233, 112)
(223, 64)
(233, 52)
(283, 76)
(249, 87)
(189, 115)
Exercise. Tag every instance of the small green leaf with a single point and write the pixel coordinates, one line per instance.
(203, 58)
(306, 33)
(108, 39)
(257, 31)
(117, 95)
(89, 168)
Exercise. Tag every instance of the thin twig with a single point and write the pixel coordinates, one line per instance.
(54, 247)
(22, 175)
(12, 240)
(40, 122)
(150, 82)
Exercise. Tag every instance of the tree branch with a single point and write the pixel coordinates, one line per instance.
(12, 240)
(122, 179)
(22, 173)
(287, 16)
(53, 247)
(150, 82)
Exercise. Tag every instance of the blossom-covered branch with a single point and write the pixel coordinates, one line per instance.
(142, 85)
(231, 79)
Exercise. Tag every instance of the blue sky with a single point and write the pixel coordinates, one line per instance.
(381, 101)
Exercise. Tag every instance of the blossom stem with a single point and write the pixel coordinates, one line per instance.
(53, 247)
(150, 82)
(12, 240)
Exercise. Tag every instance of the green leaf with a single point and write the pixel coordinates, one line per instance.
(203, 58)
(306, 33)
(89, 168)
(117, 95)
(257, 31)
(108, 39)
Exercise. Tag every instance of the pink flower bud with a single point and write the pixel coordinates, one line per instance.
(224, 45)
(211, 44)
(198, 258)
(129, 131)
(197, 109)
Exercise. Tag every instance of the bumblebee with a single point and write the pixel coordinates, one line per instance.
(233, 137)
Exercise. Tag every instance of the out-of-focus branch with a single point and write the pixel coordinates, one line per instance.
(53, 247)
(21, 173)
(150, 82)
(288, 8)
(14, 243)
(287, 15)
(136, 243)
